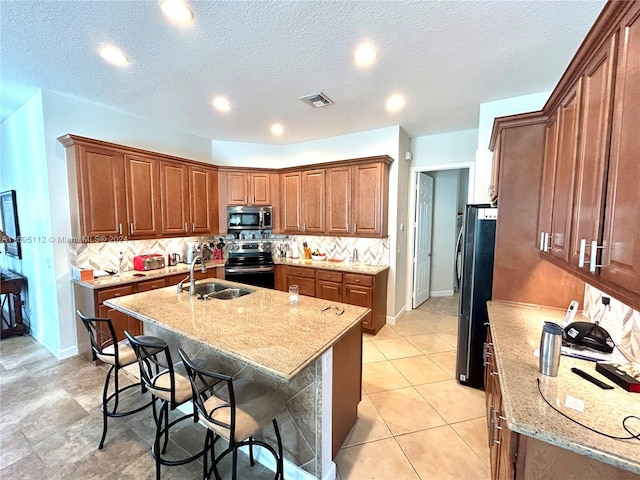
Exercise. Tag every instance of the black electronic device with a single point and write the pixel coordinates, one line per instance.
(590, 335)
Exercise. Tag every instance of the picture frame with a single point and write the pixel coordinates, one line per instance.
(10, 225)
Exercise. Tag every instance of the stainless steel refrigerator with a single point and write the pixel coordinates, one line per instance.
(478, 241)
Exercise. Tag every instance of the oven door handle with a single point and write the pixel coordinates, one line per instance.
(249, 270)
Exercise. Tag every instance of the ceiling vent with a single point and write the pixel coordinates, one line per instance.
(317, 100)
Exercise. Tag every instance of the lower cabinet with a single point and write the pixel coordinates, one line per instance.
(363, 290)
(520, 457)
(90, 301)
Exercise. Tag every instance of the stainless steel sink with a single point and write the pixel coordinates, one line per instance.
(221, 291)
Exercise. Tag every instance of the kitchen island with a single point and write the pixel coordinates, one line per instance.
(300, 350)
(528, 438)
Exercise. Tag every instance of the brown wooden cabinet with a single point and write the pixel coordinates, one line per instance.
(291, 202)
(548, 180)
(620, 257)
(329, 285)
(203, 200)
(248, 188)
(102, 207)
(142, 177)
(90, 303)
(568, 114)
(356, 199)
(174, 198)
(519, 273)
(339, 200)
(368, 291)
(313, 201)
(132, 193)
(305, 278)
(595, 226)
(370, 193)
(591, 161)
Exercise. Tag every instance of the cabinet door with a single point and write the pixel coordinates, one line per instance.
(595, 112)
(291, 195)
(204, 199)
(237, 188)
(174, 193)
(329, 290)
(338, 204)
(142, 177)
(367, 199)
(306, 286)
(568, 115)
(260, 188)
(313, 200)
(101, 192)
(546, 189)
(360, 296)
(621, 240)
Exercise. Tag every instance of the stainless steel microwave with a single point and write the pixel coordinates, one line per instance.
(248, 218)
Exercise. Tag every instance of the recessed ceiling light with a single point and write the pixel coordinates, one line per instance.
(395, 103)
(221, 104)
(277, 129)
(176, 10)
(114, 56)
(365, 55)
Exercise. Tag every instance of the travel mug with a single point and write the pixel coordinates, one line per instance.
(550, 344)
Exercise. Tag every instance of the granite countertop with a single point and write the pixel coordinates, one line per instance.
(516, 335)
(133, 276)
(261, 328)
(347, 267)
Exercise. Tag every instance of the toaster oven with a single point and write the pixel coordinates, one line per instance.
(148, 262)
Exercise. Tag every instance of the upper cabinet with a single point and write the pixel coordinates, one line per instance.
(620, 253)
(142, 178)
(347, 198)
(247, 188)
(124, 192)
(590, 200)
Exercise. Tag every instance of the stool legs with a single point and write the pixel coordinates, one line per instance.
(115, 397)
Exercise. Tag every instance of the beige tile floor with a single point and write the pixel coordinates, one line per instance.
(414, 421)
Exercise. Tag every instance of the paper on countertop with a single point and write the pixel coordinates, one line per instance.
(99, 273)
(586, 354)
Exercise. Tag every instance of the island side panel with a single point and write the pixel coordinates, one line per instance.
(347, 385)
(300, 420)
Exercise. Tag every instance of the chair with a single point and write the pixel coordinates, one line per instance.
(234, 410)
(116, 354)
(168, 383)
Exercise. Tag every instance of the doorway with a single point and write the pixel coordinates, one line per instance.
(433, 271)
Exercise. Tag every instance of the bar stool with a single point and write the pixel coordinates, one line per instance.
(116, 354)
(169, 384)
(234, 410)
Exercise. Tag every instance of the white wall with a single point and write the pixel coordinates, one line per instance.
(453, 147)
(50, 282)
(401, 248)
(445, 210)
(256, 155)
(23, 164)
(488, 112)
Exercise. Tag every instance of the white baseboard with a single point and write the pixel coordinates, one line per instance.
(441, 293)
(392, 320)
(59, 354)
(68, 352)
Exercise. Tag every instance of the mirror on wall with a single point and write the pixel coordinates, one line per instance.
(10, 227)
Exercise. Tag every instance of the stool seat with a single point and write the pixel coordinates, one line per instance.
(181, 388)
(126, 355)
(256, 406)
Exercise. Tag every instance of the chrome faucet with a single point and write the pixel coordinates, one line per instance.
(192, 280)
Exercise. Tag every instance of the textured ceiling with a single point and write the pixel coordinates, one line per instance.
(445, 57)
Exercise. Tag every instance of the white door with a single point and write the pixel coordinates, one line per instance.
(422, 240)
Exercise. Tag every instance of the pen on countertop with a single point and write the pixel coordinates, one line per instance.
(591, 379)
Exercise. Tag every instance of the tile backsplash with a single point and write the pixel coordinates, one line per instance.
(621, 321)
(101, 256)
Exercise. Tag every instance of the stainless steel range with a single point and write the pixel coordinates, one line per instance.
(250, 262)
